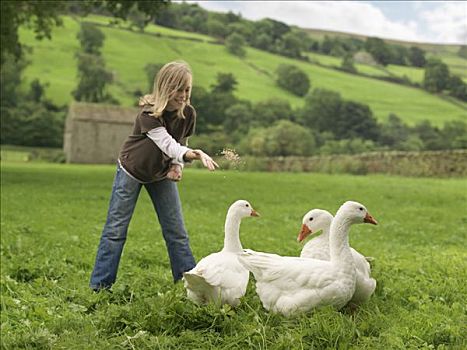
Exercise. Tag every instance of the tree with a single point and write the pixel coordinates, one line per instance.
(355, 120)
(41, 122)
(231, 17)
(138, 19)
(327, 45)
(286, 138)
(324, 110)
(430, 135)
(457, 88)
(348, 64)
(244, 28)
(283, 138)
(92, 74)
(321, 109)
(238, 118)
(394, 133)
(10, 81)
(347, 146)
(41, 126)
(93, 78)
(254, 142)
(167, 16)
(42, 16)
(417, 57)
(456, 133)
(225, 83)
(399, 55)
(216, 28)
(379, 50)
(292, 79)
(185, 16)
(266, 113)
(212, 106)
(37, 91)
(276, 28)
(268, 34)
(235, 44)
(91, 38)
(436, 75)
(290, 45)
(306, 42)
(211, 143)
(263, 42)
(122, 8)
(200, 98)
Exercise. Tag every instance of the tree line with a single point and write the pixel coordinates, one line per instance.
(326, 124)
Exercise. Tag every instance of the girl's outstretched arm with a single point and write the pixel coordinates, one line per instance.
(207, 161)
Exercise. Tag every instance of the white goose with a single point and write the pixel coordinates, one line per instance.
(291, 284)
(219, 277)
(318, 248)
(314, 221)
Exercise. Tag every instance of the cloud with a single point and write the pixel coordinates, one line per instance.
(448, 22)
(445, 23)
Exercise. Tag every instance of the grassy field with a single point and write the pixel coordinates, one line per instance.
(51, 220)
(126, 54)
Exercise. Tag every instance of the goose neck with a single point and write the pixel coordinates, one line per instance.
(339, 249)
(232, 236)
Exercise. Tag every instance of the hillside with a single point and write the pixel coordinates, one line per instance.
(127, 52)
(447, 53)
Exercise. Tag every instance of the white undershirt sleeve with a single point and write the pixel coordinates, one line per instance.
(167, 144)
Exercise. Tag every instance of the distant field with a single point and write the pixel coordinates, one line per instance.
(457, 65)
(126, 54)
(414, 74)
(51, 220)
(11, 153)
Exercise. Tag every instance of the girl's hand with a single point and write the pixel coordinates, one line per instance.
(175, 172)
(207, 161)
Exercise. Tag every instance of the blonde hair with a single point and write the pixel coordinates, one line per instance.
(171, 77)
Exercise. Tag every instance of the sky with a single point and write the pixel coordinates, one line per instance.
(443, 22)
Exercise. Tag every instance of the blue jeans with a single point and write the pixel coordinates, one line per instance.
(166, 201)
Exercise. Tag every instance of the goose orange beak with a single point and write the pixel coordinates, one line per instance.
(369, 219)
(304, 233)
(254, 213)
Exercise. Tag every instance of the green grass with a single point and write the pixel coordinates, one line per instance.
(51, 220)
(457, 65)
(414, 74)
(126, 54)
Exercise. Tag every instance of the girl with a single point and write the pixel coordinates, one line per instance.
(153, 157)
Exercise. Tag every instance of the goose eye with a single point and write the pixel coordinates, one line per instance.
(311, 219)
(247, 205)
(361, 208)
